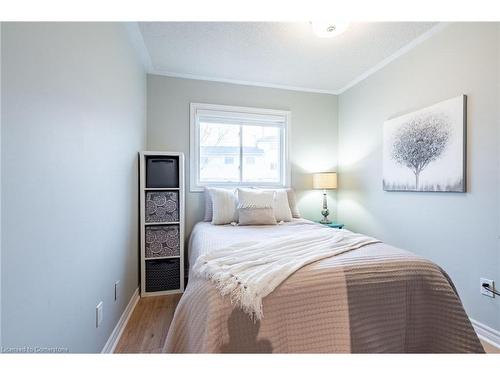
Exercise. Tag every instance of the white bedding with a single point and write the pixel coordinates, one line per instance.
(206, 237)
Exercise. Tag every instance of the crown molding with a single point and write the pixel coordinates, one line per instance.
(400, 52)
(139, 45)
(138, 42)
(240, 82)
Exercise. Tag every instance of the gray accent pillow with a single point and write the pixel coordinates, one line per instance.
(255, 198)
(256, 216)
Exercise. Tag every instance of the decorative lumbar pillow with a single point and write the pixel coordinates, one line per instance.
(255, 207)
(224, 206)
(292, 202)
(282, 210)
(255, 198)
(256, 216)
(209, 211)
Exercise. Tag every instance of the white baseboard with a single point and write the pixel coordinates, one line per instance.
(113, 339)
(485, 333)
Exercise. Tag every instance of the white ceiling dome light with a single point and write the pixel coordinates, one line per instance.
(326, 29)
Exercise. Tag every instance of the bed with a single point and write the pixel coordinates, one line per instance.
(375, 299)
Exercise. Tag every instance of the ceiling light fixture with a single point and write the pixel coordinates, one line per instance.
(325, 29)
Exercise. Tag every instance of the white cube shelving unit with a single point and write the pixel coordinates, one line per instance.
(161, 220)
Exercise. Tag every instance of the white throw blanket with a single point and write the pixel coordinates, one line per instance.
(250, 271)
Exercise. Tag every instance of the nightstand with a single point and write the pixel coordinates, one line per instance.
(333, 225)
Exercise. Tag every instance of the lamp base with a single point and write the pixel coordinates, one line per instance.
(325, 211)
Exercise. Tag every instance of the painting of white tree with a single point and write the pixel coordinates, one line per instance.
(425, 150)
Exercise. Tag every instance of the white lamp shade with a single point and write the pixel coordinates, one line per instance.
(325, 180)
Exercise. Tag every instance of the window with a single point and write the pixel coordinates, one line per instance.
(237, 146)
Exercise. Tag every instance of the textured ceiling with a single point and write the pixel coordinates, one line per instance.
(279, 54)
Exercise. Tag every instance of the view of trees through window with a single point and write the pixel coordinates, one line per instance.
(239, 153)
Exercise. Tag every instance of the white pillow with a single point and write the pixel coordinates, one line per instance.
(282, 204)
(282, 210)
(224, 206)
(292, 202)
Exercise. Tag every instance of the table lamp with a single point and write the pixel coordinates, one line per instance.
(325, 181)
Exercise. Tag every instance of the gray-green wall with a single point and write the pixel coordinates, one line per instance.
(313, 142)
(73, 120)
(460, 232)
(73, 117)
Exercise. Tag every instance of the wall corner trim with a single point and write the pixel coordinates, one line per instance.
(402, 51)
(137, 41)
(114, 338)
(160, 72)
(485, 333)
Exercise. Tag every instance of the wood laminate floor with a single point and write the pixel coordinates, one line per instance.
(147, 328)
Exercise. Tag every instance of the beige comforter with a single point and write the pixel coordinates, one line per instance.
(377, 299)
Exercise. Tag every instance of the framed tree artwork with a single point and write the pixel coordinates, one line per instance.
(425, 150)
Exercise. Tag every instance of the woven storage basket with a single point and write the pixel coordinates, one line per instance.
(162, 275)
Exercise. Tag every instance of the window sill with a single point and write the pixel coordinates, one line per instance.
(200, 189)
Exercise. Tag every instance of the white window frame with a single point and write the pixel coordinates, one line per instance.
(196, 109)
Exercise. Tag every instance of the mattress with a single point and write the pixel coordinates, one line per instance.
(376, 299)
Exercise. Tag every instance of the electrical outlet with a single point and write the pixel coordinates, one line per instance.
(117, 284)
(486, 292)
(98, 314)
